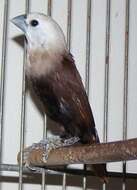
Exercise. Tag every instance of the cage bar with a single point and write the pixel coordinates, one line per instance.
(69, 12)
(64, 181)
(106, 86)
(58, 171)
(3, 73)
(106, 81)
(87, 65)
(87, 69)
(49, 11)
(22, 128)
(125, 90)
(43, 182)
(85, 178)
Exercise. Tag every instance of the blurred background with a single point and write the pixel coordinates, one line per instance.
(102, 36)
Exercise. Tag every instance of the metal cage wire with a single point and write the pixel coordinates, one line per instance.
(10, 167)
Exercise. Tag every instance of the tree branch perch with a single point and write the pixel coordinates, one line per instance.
(85, 154)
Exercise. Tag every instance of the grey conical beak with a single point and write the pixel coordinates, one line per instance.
(20, 22)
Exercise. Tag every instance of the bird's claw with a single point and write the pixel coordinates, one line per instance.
(54, 143)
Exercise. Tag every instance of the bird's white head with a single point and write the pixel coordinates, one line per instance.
(41, 31)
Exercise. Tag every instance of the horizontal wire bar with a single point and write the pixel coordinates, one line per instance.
(25, 170)
(59, 171)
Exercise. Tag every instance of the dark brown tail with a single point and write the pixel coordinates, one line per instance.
(100, 170)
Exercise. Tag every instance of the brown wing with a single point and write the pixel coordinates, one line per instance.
(73, 97)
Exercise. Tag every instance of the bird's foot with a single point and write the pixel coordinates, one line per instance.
(47, 145)
(53, 143)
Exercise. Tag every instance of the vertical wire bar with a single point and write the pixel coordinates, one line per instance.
(88, 47)
(106, 85)
(49, 11)
(64, 181)
(125, 101)
(87, 74)
(43, 183)
(3, 73)
(85, 179)
(69, 13)
(22, 129)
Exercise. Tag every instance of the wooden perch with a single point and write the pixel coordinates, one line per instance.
(85, 154)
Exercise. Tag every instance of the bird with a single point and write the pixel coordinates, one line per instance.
(54, 78)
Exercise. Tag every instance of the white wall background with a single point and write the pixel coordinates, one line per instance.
(34, 121)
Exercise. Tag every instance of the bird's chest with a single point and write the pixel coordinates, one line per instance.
(38, 66)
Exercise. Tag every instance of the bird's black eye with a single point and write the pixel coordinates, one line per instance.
(34, 23)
